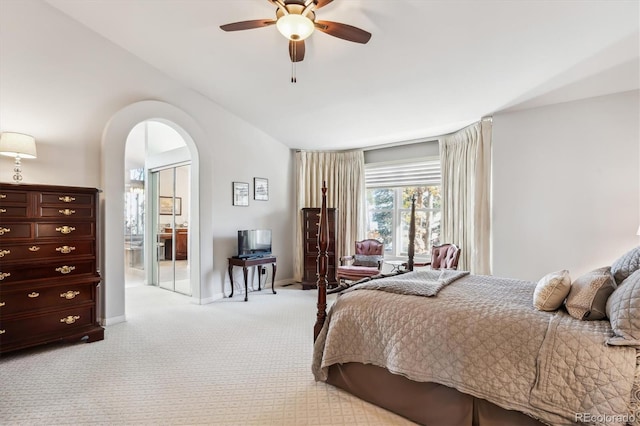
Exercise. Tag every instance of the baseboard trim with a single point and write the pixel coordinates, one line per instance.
(114, 320)
(208, 300)
(284, 283)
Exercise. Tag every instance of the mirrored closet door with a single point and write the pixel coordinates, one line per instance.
(171, 196)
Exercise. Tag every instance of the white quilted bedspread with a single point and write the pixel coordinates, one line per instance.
(482, 336)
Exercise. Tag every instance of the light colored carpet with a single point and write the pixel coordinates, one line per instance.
(176, 363)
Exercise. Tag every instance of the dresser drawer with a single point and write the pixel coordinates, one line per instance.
(311, 261)
(312, 234)
(15, 231)
(35, 251)
(311, 246)
(65, 199)
(311, 225)
(13, 196)
(65, 230)
(311, 275)
(12, 211)
(56, 322)
(36, 298)
(66, 212)
(12, 273)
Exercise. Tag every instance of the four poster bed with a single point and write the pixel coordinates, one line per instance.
(451, 348)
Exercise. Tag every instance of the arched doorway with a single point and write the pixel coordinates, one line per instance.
(112, 300)
(157, 208)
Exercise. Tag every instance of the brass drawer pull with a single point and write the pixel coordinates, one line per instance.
(2, 304)
(66, 199)
(3, 196)
(66, 212)
(65, 269)
(65, 249)
(69, 294)
(2, 331)
(65, 229)
(3, 230)
(70, 319)
(34, 248)
(4, 275)
(3, 253)
(3, 210)
(33, 295)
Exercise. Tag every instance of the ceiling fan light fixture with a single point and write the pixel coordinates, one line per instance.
(295, 27)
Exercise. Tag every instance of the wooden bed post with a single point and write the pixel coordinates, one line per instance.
(412, 234)
(323, 257)
(323, 261)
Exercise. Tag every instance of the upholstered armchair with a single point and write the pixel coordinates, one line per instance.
(444, 256)
(366, 262)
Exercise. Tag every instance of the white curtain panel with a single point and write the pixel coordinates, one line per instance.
(344, 174)
(465, 158)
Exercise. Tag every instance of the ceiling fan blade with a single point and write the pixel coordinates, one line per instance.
(247, 25)
(280, 5)
(343, 31)
(322, 3)
(296, 50)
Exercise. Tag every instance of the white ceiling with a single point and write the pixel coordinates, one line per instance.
(431, 67)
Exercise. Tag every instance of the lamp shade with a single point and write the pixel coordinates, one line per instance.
(295, 27)
(17, 144)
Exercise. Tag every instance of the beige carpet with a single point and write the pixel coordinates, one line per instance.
(176, 363)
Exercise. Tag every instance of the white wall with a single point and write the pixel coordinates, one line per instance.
(566, 186)
(64, 84)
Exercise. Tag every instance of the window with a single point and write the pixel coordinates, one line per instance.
(136, 175)
(390, 188)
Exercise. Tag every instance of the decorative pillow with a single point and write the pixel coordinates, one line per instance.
(623, 310)
(367, 260)
(551, 291)
(626, 265)
(587, 299)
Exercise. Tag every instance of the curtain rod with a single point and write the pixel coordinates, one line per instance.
(401, 143)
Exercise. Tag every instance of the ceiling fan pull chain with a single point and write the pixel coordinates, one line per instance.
(293, 64)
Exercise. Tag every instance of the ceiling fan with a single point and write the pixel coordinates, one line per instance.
(296, 20)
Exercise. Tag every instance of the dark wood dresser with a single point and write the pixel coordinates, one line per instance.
(182, 244)
(310, 220)
(48, 265)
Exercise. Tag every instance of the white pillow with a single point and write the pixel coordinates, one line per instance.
(551, 291)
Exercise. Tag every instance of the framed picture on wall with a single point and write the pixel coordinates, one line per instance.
(167, 205)
(261, 189)
(240, 194)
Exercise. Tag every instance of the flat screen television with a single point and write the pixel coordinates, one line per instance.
(254, 243)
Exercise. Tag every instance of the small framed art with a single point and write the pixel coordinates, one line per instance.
(261, 189)
(167, 205)
(240, 194)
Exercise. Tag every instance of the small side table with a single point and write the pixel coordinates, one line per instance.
(396, 265)
(248, 262)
